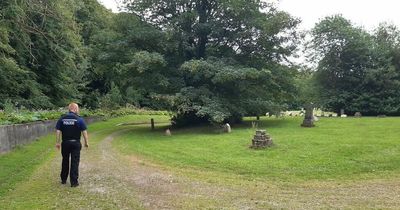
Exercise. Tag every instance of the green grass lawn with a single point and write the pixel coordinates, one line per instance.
(19, 164)
(315, 164)
(336, 149)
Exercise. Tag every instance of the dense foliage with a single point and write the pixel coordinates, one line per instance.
(209, 61)
(16, 116)
(204, 60)
(357, 71)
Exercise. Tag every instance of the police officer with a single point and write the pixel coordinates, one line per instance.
(70, 127)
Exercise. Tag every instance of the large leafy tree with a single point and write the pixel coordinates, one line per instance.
(46, 43)
(17, 85)
(244, 29)
(227, 53)
(357, 71)
(120, 54)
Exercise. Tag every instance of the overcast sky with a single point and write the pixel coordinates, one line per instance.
(368, 13)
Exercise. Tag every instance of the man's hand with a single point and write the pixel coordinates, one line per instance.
(86, 145)
(58, 146)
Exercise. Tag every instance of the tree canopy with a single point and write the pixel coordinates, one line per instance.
(204, 60)
(357, 71)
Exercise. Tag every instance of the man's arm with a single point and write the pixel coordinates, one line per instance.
(58, 139)
(86, 138)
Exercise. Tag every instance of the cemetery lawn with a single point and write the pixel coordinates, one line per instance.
(336, 149)
(341, 163)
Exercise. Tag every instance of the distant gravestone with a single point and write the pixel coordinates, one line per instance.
(261, 140)
(254, 124)
(168, 132)
(381, 116)
(227, 128)
(357, 114)
(342, 112)
(308, 117)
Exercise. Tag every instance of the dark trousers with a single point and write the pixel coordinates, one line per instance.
(73, 149)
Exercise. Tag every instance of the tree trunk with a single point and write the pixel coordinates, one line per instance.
(202, 28)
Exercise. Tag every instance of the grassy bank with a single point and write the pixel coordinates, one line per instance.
(16, 166)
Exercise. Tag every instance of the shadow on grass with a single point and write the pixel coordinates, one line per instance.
(141, 128)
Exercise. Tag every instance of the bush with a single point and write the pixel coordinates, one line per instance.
(23, 116)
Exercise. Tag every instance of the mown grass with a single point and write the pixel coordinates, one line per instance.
(336, 149)
(16, 166)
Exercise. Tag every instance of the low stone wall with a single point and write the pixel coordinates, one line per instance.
(13, 135)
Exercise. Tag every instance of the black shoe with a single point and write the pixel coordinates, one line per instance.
(75, 185)
(63, 182)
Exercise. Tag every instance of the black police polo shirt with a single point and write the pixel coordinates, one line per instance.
(71, 126)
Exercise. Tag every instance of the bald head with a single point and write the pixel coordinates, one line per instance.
(73, 107)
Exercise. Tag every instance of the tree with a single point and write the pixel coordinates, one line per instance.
(47, 45)
(357, 71)
(16, 84)
(344, 54)
(116, 54)
(221, 91)
(249, 38)
(237, 28)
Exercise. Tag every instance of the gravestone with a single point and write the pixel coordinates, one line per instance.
(152, 123)
(308, 117)
(341, 112)
(168, 132)
(357, 114)
(381, 116)
(227, 128)
(254, 124)
(261, 140)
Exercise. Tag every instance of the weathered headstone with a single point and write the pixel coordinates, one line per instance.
(168, 132)
(357, 114)
(227, 128)
(341, 112)
(254, 124)
(308, 117)
(261, 140)
(152, 123)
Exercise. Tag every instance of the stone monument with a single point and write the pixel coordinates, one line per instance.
(168, 132)
(357, 114)
(261, 140)
(227, 128)
(254, 124)
(308, 117)
(341, 112)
